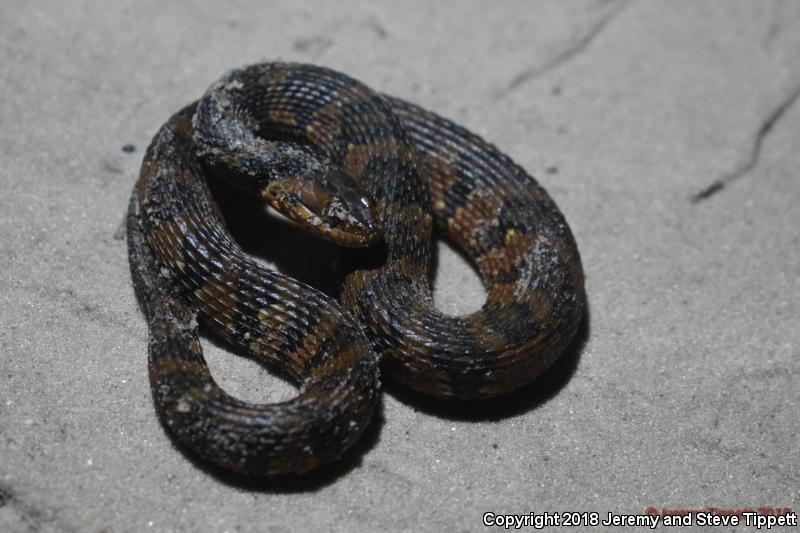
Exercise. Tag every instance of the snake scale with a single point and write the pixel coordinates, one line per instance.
(356, 167)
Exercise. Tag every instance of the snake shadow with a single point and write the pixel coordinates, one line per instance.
(281, 244)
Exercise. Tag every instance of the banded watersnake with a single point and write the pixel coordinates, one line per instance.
(356, 167)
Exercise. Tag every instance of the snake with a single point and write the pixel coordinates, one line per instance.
(362, 169)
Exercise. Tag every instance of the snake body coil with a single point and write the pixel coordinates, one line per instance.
(353, 166)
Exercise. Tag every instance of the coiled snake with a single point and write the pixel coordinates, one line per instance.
(355, 167)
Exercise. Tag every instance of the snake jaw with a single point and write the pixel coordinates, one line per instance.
(342, 216)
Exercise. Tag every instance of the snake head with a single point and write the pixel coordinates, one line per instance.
(332, 205)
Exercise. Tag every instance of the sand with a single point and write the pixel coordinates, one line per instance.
(683, 389)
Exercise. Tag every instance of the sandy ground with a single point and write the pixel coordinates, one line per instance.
(683, 391)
